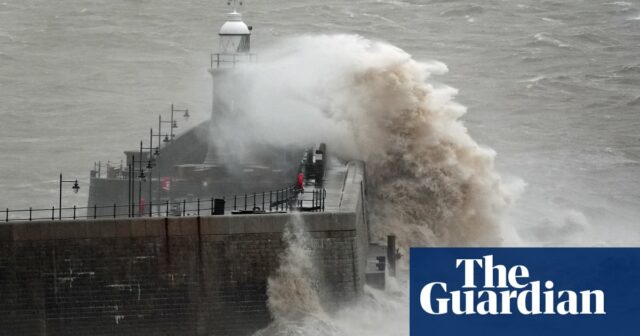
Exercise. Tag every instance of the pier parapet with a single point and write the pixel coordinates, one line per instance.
(173, 275)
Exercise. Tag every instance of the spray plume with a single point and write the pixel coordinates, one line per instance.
(429, 182)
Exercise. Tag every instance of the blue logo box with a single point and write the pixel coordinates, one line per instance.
(525, 291)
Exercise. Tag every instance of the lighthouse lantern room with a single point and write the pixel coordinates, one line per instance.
(235, 35)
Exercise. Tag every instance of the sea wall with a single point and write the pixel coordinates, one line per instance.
(167, 276)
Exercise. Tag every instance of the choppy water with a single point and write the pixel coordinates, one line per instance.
(552, 86)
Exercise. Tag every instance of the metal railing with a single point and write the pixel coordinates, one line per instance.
(220, 60)
(274, 201)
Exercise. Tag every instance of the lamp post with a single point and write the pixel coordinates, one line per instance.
(75, 188)
(166, 140)
(131, 177)
(153, 152)
(160, 135)
(173, 123)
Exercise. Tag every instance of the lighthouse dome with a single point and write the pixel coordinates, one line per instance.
(234, 25)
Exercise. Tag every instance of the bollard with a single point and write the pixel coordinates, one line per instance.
(212, 206)
(184, 207)
(150, 209)
(198, 207)
(95, 211)
(263, 201)
(53, 213)
(218, 207)
(7, 216)
(30, 209)
(167, 209)
(391, 254)
(270, 199)
(114, 210)
(245, 202)
(74, 212)
(235, 202)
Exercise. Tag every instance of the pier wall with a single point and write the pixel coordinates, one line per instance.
(169, 276)
(160, 276)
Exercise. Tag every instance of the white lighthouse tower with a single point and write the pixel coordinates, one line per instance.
(234, 50)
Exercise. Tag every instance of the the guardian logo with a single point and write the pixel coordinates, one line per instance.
(506, 291)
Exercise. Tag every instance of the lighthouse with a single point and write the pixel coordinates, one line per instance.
(234, 51)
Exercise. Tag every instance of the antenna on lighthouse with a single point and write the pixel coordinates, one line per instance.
(235, 3)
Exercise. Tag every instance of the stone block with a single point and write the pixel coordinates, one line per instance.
(155, 227)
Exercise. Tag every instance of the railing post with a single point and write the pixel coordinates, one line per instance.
(53, 213)
(286, 198)
(198, 207)
(95, 211)
(245, 202)
(30, 209)
(114, 210)
(270, 199)
(7, 215)
(211, 206)
(391, 255)
(184, 207)
(324, 197)
(167, 209)
(150, 209)
(263, 209)
(235, 199)
(74, 212)
(254, 201)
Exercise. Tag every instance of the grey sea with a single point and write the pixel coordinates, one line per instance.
(552, 86)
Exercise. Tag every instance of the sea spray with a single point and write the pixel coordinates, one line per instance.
(295, 304)
(294, 300)
(429, 182)
(292, 295)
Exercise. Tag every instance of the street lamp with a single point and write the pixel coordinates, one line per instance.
(172, 122)
(151, 163)
(75, 188)
(185, 112)
(131, 176)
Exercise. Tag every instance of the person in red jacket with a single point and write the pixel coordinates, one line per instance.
(300, 183)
